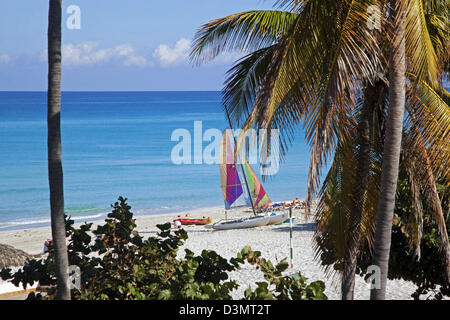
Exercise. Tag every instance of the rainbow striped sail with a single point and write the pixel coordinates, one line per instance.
(257, 191)
(230, 182)
(232, 187)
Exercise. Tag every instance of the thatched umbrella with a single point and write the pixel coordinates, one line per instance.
(12, 257)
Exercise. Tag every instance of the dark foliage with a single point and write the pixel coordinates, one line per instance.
(121, 264)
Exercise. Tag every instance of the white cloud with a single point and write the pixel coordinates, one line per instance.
(179, 53)
(4, 58)
(89, 53)
(168, 56)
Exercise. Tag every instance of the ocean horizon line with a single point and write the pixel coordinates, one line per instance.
(106, 91)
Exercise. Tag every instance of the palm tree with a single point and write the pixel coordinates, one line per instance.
(307, 63)
(310, 64)
(399, 11)
(392, 146)
(422, 101)
(55, 173)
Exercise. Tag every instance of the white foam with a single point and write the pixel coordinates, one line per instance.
(16, 223)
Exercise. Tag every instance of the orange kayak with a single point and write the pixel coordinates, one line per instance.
(193, 221)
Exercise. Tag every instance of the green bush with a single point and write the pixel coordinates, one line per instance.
(124, 265)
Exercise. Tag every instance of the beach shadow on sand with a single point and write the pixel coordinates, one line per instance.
(208, 229)
(297, 227)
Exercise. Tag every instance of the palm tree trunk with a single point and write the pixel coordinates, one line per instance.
(391, 152)
(55, 173)
(362, 171)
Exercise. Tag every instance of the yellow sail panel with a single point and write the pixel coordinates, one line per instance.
(257, 191)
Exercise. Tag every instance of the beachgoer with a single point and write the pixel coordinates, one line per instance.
(47, 244)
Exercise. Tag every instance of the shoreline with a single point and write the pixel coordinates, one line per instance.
(44, 220)
(24, 238)
(272, 241)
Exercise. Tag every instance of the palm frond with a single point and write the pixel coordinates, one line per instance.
(422, 58)
(430, 114)
(436, 13)
(333, 211)
(415, 221)
(243, 81)
(423, 177)
(325, 63)
(329, 238)
(246, 31)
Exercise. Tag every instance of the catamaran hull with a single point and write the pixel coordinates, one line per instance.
(252, 222)
(278, 217)
(242, 223)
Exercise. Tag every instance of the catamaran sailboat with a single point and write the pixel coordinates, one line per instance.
(237, 181)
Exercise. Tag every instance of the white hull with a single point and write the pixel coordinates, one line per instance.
(252, 222)
(278, 217)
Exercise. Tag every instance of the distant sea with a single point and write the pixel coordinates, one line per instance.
(118, 144)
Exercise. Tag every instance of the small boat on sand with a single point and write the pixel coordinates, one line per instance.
(278, 217)
(194, 221)
(252, 222)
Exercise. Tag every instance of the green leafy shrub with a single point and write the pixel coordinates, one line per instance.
(121, 264)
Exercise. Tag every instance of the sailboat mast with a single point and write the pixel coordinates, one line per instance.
(242, 167)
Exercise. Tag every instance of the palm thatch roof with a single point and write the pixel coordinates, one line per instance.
(12, 257)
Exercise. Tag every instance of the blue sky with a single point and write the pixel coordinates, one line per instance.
(121, 45)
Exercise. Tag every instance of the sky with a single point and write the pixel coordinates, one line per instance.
(137, 45)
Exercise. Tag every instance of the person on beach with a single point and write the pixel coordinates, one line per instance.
(288, 204)
(47, 244)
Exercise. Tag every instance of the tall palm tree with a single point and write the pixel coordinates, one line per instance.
(307, 63)
(335, 206)
(422, 102)
(426, 68)
(310, 63)
(55, 172)
(392, 147)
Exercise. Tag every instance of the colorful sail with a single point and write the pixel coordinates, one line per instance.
(230, 182)
(256, 189)
(232, 187)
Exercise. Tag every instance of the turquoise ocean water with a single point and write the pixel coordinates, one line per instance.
(118, 143)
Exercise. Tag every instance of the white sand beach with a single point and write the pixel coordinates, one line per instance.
(272, 241)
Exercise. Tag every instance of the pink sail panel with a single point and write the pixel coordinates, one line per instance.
(230, 183)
